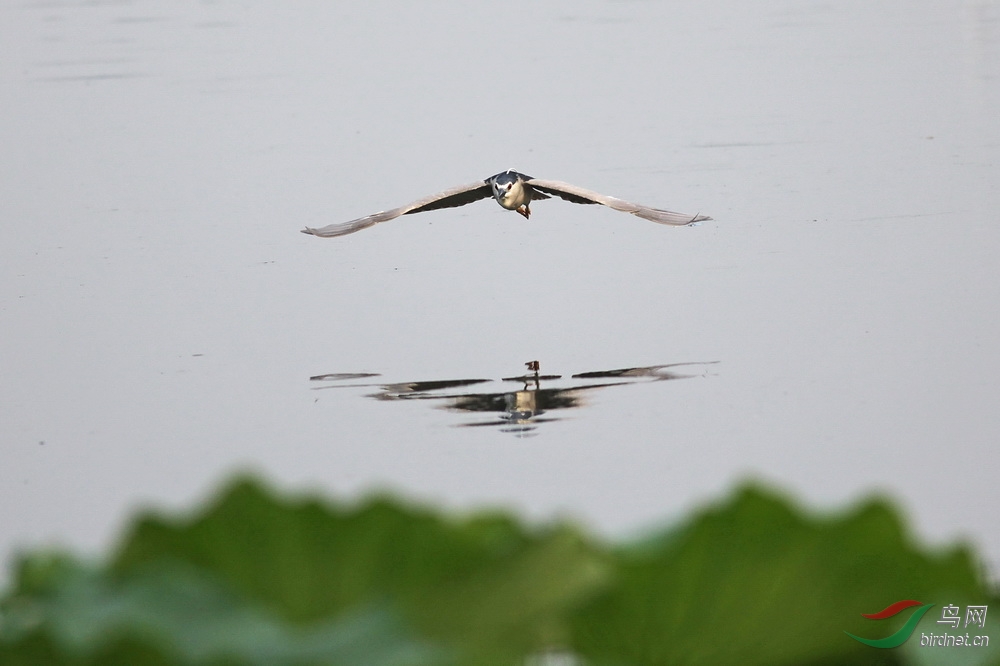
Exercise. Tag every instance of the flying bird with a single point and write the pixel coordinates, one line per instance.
(512, 190)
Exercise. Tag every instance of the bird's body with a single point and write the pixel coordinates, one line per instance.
(514, 191)
(511, 192)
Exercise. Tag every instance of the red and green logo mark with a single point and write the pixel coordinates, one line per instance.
(898, 638)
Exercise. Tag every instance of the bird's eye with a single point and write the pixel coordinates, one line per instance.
(509, 185)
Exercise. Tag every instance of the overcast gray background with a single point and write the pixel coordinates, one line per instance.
(161, 314)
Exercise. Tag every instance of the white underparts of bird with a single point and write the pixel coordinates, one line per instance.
(514, 191)
(512, 194)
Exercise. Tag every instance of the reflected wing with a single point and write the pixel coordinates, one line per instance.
(456, 196)
(582, 196)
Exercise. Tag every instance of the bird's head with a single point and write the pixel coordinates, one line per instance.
(505, 186)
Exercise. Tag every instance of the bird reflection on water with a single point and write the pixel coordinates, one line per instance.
(519, 411)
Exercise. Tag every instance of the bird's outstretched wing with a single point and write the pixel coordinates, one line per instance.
(456, 196)
(582, 196)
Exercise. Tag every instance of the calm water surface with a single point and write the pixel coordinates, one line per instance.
(834, 330)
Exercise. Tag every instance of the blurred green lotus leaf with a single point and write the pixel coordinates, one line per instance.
(257, 578)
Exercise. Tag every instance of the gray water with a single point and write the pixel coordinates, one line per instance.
(834, 330)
